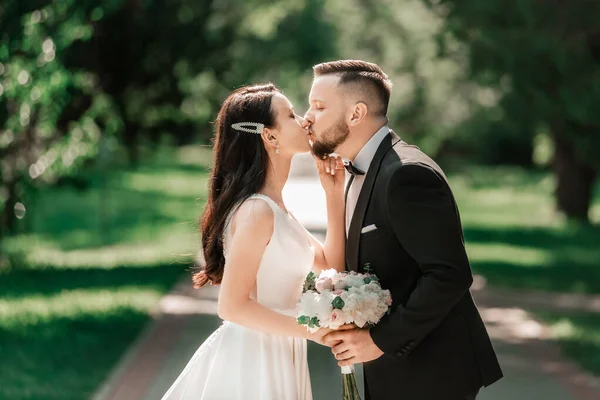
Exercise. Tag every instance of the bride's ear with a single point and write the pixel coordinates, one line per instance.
(269, 138)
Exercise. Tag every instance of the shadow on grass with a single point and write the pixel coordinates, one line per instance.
(578, 335)
(160, 168)
(537, 237)
(486, 178)
(25, 282)
(124, 208)
(573, 255)
(558, 276)
(75, 352)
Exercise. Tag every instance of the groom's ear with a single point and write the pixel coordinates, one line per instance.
(359, 113)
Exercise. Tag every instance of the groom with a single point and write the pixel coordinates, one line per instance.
(402, 221)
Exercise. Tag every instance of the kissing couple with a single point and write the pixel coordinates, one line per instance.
(389, 206)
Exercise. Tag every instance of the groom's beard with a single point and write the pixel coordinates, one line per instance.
(331, 139)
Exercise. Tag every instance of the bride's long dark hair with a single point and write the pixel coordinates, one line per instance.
(240, 170)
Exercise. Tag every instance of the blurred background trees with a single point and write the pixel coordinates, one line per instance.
(106, 111)
(85, 82)
(80, 79)
(543, 58)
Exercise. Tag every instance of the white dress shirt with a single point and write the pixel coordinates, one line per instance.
(362, 161)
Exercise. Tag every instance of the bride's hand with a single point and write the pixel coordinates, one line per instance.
(331, 173)
(320, 336)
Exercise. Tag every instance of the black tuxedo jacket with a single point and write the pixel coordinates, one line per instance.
(435, 344)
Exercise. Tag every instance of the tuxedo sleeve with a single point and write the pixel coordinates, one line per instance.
(426, 223)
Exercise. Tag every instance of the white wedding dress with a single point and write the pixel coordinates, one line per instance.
(236, 363)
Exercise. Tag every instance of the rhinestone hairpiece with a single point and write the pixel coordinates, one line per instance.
(250, 127)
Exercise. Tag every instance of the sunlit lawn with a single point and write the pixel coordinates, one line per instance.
(578, 335)
(514, 237)
(85, 281)
(96, 261)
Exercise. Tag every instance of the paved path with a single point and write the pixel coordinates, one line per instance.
(534, 368)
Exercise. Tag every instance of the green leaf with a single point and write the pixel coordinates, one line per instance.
(314, 322)
(309, 282)
(338, 303)
(367, 268)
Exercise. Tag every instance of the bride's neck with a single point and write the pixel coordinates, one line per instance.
(277, 175)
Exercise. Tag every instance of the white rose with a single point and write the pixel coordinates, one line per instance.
(354, 281)
(372, 287)
(324, 308)
(328, 273)
(309, 303)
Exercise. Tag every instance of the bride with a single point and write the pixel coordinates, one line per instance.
(259, 254)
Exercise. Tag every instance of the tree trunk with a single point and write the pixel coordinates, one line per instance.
(131, 141)
(575, 181)
(8, 219)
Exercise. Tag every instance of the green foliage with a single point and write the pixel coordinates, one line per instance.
(430, 97)
(309, 282)
(314, 323)
(544, 61)
(79, 78)
(308, 321)
(338, 303)
(51, 116)
(370, 279)
(81, 284)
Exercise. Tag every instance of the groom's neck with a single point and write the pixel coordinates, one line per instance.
(359, 136)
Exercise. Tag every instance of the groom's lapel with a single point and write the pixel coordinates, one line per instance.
(363, 200)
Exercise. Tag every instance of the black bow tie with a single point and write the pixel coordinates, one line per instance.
(352, 169)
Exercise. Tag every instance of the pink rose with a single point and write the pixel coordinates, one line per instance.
(388, 300)
(338, 292)
(339, 277)
(323, 284)
(337, 319)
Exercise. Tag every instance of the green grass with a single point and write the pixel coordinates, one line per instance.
(82, 284)
(578, 336)
(516, 239)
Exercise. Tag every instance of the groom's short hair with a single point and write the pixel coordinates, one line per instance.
(364, 76)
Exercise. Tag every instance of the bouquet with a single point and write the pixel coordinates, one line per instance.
(336, 298)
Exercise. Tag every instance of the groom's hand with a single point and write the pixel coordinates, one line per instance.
(352, 346)
(321, 335)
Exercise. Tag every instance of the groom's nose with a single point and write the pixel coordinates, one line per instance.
(308, 117)
(303, 122)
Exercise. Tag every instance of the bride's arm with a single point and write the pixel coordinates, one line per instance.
(332, 253)
(252, 228)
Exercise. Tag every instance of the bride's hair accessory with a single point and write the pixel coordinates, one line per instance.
(250, 127)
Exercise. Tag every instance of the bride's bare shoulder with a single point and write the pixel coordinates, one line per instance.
(254, 215)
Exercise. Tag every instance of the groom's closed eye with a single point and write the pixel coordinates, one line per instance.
(317, 105)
